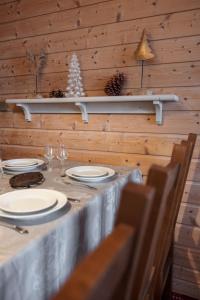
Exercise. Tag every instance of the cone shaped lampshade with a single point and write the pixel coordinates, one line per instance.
(143, 51)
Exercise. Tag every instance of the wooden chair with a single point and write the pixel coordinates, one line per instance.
(141, 274)
(155, 282)
(123, 265)
(181, 154)
(99, 274)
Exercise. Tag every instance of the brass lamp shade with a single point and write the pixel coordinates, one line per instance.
(143, 51)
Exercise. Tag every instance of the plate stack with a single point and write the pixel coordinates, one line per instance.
(31, 204)
(21, 165)
(90, 173)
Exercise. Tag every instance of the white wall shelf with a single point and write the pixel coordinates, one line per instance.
(143, 104)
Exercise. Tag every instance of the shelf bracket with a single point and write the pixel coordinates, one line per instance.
(83, 110)
(27, 114)
(159, 112)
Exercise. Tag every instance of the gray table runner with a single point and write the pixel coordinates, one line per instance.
(33, 266)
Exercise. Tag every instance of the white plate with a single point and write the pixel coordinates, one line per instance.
(34, 163)
(20, 167)
(90, 173)
(61, 202)
(27, 201)
(19, 162)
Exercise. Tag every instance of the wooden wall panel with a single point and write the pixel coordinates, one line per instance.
(17, 84)
(17, 10)
(101, 13)
(167, 51)
(122, 142)
(105, 35)
(186, 122)
(187, 257)
(191, 193)
(189, 214)
(182, 287)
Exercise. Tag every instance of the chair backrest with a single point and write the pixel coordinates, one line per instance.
(181, 154)
(98, 276)
(106, 273)
(141, 270)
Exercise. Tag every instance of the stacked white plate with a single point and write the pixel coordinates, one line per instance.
(31, 204)
(90, 173)
(21, 165)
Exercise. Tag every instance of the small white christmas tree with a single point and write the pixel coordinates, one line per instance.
(75, 86)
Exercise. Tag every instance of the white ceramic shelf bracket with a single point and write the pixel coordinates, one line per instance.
(83, 110)
(26, 111)
(143, 104)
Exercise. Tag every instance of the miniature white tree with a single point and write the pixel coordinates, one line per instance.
(75, 86)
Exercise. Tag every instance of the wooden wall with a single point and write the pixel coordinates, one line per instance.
(105, 34)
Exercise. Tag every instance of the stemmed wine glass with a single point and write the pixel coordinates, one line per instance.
(1, 165)
(49, 155)
(62, 155)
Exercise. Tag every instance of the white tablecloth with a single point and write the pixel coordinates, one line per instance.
(33, 266)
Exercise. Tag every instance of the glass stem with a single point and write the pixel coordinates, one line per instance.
(49, 166)
(62, 165)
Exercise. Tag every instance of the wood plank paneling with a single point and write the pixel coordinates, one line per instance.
(186, 122)
(187, 236)
(177, 74)
(186, 274)
(151, 144)
(167, 51)
(185, 287)
(6, 119)
(187, 257)
(191, 193)
(105, 35)
(183, 74)
(159, 26)
(93, 79)
(17, 10)
(110, 158)
(25, 84)
(189, 214)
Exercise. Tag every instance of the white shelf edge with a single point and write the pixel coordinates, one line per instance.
(143, 104)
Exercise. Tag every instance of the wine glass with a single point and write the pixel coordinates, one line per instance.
(62, 155)
(49, 155)
(1, 165)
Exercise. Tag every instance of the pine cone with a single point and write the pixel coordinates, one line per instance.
(56, 94)
(114, 85)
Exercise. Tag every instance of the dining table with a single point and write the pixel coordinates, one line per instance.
(33, 266)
